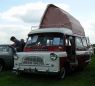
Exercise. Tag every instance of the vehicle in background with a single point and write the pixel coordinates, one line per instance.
(58, 46)
(91, 49)
(6, 57)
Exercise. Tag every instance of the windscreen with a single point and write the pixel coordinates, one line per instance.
(46, 39)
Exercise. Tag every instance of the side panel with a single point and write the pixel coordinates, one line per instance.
(63, 61)
(82, 51)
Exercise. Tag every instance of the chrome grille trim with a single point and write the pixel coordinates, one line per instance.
(33, 60)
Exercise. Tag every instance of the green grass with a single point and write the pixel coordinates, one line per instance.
(83, 78)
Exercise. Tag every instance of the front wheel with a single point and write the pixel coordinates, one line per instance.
(62, 73)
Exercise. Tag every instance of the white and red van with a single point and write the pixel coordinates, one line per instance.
(58, 46)
(53, 51)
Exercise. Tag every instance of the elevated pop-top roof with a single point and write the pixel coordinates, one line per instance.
(46, 30)
(54, 17)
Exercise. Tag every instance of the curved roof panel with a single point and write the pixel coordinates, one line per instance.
(57, 18)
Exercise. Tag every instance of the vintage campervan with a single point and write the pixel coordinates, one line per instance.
(58, 46)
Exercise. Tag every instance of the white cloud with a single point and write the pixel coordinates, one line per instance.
(89, 27)
(19, 31)
(31, 12)
(27, 13)
(17, 21)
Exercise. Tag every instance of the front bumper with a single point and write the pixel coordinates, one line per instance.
(36, 68)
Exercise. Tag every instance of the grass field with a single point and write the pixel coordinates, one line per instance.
(83, 78)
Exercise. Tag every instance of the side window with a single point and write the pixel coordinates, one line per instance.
(79, 44)
(84, 42)
(88, 42)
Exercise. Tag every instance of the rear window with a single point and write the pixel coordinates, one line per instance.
(3, 49)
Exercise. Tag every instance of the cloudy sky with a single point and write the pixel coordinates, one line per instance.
(17, 16)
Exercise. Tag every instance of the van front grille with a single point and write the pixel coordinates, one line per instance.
(33, 60)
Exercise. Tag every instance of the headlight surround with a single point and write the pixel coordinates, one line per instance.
(53, 56)
(16, 57)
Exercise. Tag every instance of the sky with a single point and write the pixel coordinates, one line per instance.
(18, 16)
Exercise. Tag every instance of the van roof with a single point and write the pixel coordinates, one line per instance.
(48, 30)
(55, 17)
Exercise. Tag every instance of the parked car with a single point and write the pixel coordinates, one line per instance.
(6, 57)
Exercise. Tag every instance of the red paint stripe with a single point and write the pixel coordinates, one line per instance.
(47, 48)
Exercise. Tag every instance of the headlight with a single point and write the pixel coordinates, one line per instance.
(53, 56)
(16, 57)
